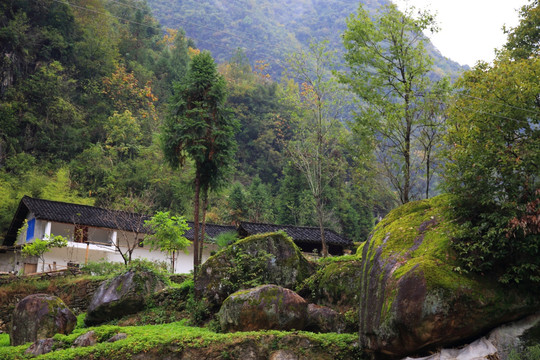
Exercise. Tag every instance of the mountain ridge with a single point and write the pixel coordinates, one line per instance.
(267, 31)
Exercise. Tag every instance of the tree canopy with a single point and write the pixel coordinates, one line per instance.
(493, 157)
(389, 71)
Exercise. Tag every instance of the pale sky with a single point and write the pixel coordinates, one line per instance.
(470, 30)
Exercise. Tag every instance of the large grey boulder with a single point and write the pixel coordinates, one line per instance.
(266, 307)
(271, 258)
(40, 316)
(125, 294)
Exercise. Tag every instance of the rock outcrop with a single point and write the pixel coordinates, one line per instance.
(86, 339)
(40, 316)
(125, 294)
(322, 319)
(412, 294)
(266, 307)
(40, 347)
(336, 285)
(256, 260)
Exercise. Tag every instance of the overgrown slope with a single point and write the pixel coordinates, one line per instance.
(268, 30)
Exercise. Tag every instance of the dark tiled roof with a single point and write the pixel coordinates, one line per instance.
(297, 233)
(211, 230)
(89, 216)
(73, 214)
(112, 219)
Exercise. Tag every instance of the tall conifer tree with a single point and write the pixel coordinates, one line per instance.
(199, 127)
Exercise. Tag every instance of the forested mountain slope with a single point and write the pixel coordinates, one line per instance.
(84, 89)
(268, 30)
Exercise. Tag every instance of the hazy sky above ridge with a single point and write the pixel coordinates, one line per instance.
(470, 30)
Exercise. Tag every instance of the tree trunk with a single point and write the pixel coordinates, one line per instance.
(427, 173)
(324, 250)
(203, 225)
(407, 155)
(196, 224)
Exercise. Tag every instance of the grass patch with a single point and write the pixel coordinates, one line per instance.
(335, 259)
(174, 338)
(4, 340)
(80, 321)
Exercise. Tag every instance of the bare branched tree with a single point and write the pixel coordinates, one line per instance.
(314, 150)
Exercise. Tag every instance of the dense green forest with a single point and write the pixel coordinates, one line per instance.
(92, 93)
(85, 87)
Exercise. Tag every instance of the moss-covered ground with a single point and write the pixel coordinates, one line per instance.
(177, 337)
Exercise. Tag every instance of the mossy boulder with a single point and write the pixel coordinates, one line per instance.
(270, 258)
(336, 284)
(40, 316)
(413, 295)
(123, 295)
(266, 307)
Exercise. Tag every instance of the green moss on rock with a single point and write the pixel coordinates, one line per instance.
(270, 258)
(335, 285)
(412, 294)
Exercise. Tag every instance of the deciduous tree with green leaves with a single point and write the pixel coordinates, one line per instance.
(524, 39)
(41, 246)
(167, 234)
(494, 140)
(199, 127)
(494, 154)
(389, 69)
(314, 150)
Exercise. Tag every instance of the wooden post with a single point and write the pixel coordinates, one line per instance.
(86, 256)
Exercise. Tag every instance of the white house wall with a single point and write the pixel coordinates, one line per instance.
(72, 254)
(76, 253)
(38, 230)
(183, 262)
(9, 262)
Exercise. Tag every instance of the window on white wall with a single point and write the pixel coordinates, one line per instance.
(81, 234)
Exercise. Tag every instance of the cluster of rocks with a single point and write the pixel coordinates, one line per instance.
(38, 317)
(402, 293)
(272, 307)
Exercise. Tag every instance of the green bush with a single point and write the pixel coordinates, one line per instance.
(198, 309)
(529, 353)
(101, 268)
(226, 238)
